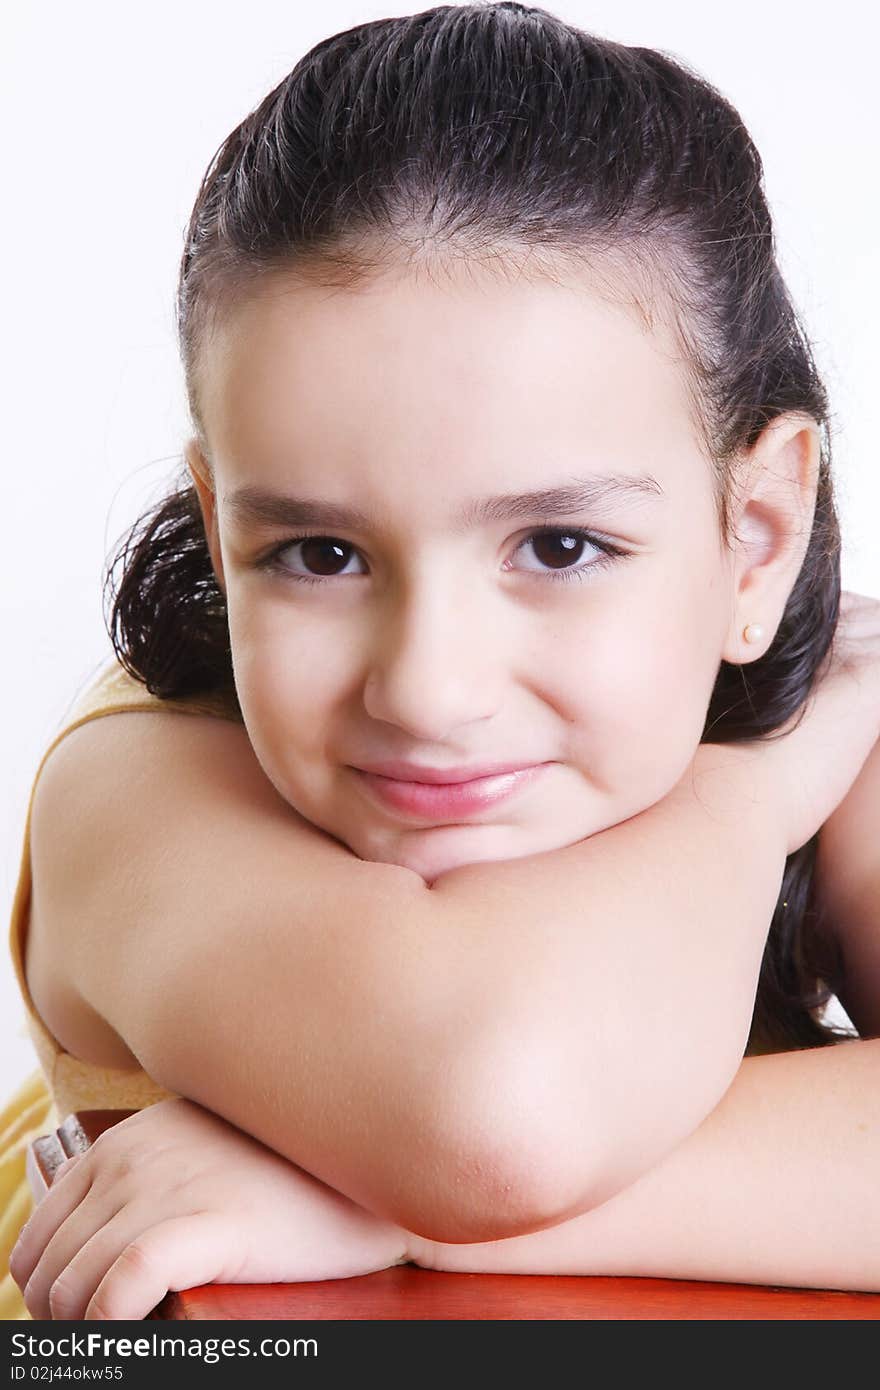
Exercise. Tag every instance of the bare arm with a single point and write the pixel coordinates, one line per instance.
(252, 963)
(778, 1185)
(390, 1039)
(848, 887)
(471, 1061)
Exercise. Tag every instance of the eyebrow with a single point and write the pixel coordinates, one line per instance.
(257, 506)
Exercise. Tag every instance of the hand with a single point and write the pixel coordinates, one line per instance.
(175, 1197)
(825, 756)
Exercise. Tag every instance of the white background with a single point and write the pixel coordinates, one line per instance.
(111, 114)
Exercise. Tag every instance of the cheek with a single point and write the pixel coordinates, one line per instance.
(679, 665)
(635, 692)
(292, 674)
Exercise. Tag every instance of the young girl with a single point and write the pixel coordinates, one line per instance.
(501, 593)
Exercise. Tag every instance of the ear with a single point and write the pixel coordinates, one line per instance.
(772, 522)
(200, 472)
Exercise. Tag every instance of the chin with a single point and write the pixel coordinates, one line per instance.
(435, 850)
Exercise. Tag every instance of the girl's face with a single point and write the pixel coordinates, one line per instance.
(426, 623)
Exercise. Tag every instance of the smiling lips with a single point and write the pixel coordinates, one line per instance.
(439, 799)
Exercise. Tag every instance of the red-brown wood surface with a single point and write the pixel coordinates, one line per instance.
(408, 1292)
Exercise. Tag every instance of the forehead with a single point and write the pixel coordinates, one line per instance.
(463, 375)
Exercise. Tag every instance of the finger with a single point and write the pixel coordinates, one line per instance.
(72, 1288)
(64, 1167)
(88, 1217)
(182, 1253)
(70, 1185)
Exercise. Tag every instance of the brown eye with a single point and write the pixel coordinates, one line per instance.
(322, 555)
(559, 552)
(557, 549)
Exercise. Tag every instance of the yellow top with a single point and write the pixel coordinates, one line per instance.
(64, 1082)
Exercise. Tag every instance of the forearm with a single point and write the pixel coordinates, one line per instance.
(622, 971)
(392, 1040)
(778, 1185)
(346, 1064)
(541, 1004)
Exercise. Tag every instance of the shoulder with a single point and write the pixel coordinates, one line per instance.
(112, 784)
(105, 796)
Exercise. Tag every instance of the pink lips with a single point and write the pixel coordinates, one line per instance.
(402, 771)
(444, 799)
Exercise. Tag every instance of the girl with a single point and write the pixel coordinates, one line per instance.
(514, 715)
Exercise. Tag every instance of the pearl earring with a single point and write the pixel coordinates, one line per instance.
(753, 633)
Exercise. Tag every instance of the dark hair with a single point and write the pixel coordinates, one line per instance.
(495, 130)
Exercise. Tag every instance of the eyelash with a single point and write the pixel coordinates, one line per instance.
(608, 555)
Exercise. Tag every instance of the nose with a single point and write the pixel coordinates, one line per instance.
(431, 670)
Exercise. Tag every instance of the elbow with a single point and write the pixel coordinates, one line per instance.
(470, 1194)
(500, 1162)
(551, 1141)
